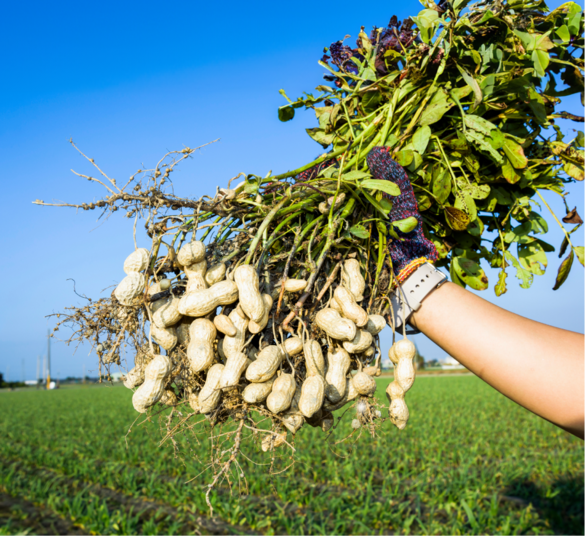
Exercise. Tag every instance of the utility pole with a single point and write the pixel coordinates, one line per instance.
(22, 378)
(48, 358)
(83, 377)
(38, 368)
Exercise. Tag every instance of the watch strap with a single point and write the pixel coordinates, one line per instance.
(407, 298)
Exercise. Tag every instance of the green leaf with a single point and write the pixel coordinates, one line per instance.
(564, 270)
(564, 34)
(320, 136)
(479, 123)
(359, 230)
(251, 186)
(470, 273)
(500, 287)
(442, 186)
(533, 257)
(355, 175)
(510, 173)
(579, 252)
(538, 223)
(573, 170)
(385, 204)
(477, 191)
(421, 138)
(460, 4)
(376, 205)
(416, 162)
(457, 219)
(480, 141)
(523, 275)
(405, 157)
(540, 60)
(388, 187)
(476, 227)
(574, 18)
(454, 277)
(472, 83)
(516, 234)
(286, 113)
(542, 42)
(528, 40)
(424, 202)
(437, 107)
(407, 225)
(515, 154)
(466, 203)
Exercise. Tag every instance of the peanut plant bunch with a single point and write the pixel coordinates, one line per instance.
(467, 99)
(262, 305)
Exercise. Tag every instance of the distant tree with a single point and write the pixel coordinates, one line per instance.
(419, 360)
(1, 379)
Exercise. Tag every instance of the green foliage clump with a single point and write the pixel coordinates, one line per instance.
(467, 100)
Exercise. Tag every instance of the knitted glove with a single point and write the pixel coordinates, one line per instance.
(413, 249)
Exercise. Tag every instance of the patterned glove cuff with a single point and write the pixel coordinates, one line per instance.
(410, 268)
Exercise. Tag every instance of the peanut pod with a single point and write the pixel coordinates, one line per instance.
(225, 325)
(283, 390)
(312, 395)
(167, 313)
(376, 323)
(338, 363)
(314, 361)
(273, 440)
(215, 274)
(134, 378)
(293, 419)
(210, 394)
(265, 366)
(129, 288)
(361, 342)
(155, 375)
(257, 327)
(364, 384)
(401, 354)
(235, 365)
(398, 410)
(234, 345)
(190, 253)
(137, 261)
(352, 279)
(330, 322)
(165, 337)
(196, 276)
(200, 352)
(246, 278)
(293, 346)
(201, 302)
(295, 285)
(257, 392)
(349, 307)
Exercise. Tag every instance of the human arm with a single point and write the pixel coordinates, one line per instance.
(537, 366)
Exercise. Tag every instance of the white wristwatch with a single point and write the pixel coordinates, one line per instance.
(408, 298)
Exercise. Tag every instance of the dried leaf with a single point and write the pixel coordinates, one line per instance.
(572, 217)
(457, 219)
(564, 270)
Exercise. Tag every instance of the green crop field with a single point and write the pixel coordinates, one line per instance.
(469, 461)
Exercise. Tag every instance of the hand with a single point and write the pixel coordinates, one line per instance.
(413, 249)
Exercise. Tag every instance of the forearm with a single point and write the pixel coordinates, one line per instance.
(538, 366)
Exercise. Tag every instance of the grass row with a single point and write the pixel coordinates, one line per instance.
(469, 461)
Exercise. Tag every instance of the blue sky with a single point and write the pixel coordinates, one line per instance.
(129, 81)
